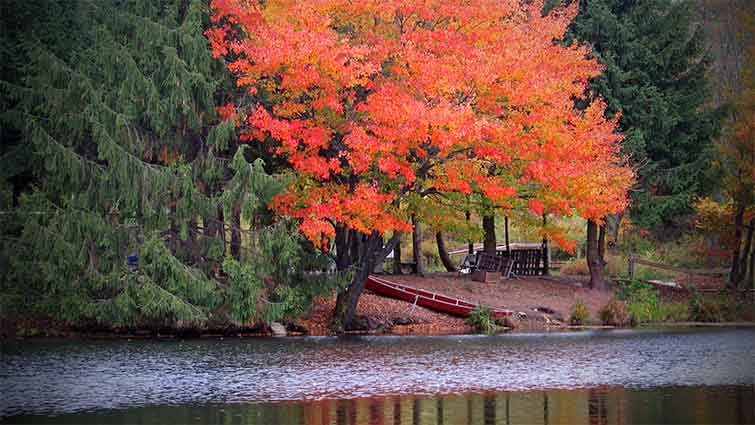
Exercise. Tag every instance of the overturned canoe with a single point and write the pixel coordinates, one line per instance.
(428, 299)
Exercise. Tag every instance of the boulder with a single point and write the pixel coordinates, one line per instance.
(278, 329)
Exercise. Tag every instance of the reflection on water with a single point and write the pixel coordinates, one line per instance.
(625, 376)
(598, 406)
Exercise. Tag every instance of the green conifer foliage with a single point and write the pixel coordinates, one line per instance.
(110, 108)
(655, 76)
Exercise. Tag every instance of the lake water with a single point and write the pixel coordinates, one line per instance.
(601, 377)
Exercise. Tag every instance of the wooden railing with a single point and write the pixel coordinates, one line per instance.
(746, 293)
(689, 273)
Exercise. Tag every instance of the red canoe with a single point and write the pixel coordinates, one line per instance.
(427, 299)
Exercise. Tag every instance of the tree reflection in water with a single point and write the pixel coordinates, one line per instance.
(594, 406)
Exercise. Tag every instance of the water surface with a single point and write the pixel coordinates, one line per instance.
(624, 376)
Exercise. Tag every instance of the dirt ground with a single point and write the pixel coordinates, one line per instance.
(545, 301)
(557, 294)
(387, 315)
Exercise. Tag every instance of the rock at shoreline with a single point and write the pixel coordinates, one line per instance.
(278, 329)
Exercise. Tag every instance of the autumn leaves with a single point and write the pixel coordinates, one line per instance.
(373, 102)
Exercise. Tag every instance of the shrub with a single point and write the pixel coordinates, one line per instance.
(481, 320)
(643, 302)
(625, 291)
(675, 312)
(732, 310)
(615, 313)
(703, 310)
(580, 315)
(748, 312)
(713, 308)
(577, 266)
(646, 311)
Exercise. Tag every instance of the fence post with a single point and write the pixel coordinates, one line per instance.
(630, 269)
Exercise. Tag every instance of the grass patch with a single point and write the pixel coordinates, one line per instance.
(675, 311)
(643, 302)
(642, 272)
(481, 320)
(575, 267)
(645, 305)
(580, 315)
(718, 308)
(616, 265)
(615, 313)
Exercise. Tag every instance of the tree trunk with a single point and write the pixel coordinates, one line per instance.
(343, 261)
(397, 256)
(743, 262)
(594, 262)
(236, 233)
(506, 234)
(735, 266)
(613, 225)
(602, 244)
(417, 246)
(356, 242)
(546, 258)
(470, 245)
(347, 300)
(221, 227)
(750, 278)
(443, 253)
(488, 226)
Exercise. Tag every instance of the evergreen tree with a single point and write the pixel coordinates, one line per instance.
(655, 76)
(118, 170)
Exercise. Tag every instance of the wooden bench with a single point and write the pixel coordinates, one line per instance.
(527, 262)
(490, 268)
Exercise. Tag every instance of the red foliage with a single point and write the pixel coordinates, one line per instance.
(371, 101)
(227, 111)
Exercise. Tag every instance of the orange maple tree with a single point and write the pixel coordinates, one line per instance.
(373, 101)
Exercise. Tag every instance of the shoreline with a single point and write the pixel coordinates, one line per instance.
(113, 336)
(541, 304)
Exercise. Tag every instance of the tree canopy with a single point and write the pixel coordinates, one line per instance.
(375, 102)
(370, 102)
(655, 76)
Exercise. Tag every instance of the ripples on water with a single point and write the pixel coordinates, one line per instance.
(377, 374)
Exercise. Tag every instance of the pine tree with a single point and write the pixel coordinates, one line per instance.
(117, 152)
(655, 76)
